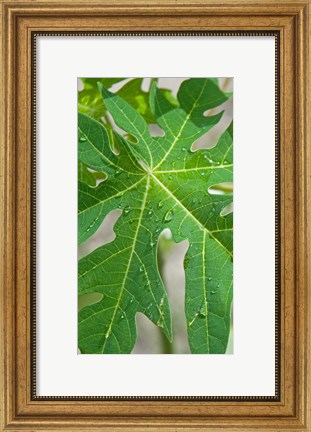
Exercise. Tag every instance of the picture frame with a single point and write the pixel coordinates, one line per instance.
(289, 409)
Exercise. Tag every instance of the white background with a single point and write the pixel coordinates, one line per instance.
(250, 370)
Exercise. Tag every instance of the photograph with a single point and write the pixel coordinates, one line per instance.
(155, 215)
(143, 144)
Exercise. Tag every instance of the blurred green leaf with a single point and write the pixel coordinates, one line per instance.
(85, 175)
(90, 101)
(132, 93)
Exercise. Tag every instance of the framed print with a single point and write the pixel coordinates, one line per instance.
(128, 131)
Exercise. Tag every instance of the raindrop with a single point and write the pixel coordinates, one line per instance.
(82, 138)
(126, 210)
(169, 216)
(208, 158)
(184, 149)
(214, 292)
(160, 204)
(149, 213)
(170, 177)
(209, 278)
(202, 312)
(141, 268)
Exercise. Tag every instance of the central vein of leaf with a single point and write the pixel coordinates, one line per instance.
(129, 261)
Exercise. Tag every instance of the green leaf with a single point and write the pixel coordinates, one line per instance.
(157, 182)
(90, 177)
(137, 98)
(90, 101)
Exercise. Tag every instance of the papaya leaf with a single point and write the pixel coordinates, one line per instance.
(158, 183)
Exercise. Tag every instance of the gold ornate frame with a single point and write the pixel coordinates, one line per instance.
(21, 408)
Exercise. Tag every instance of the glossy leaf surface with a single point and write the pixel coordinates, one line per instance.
(157, 182)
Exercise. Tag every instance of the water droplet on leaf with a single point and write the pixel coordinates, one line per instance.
(202, 314)
(126, 210)
(169, 216)
(208, 159)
